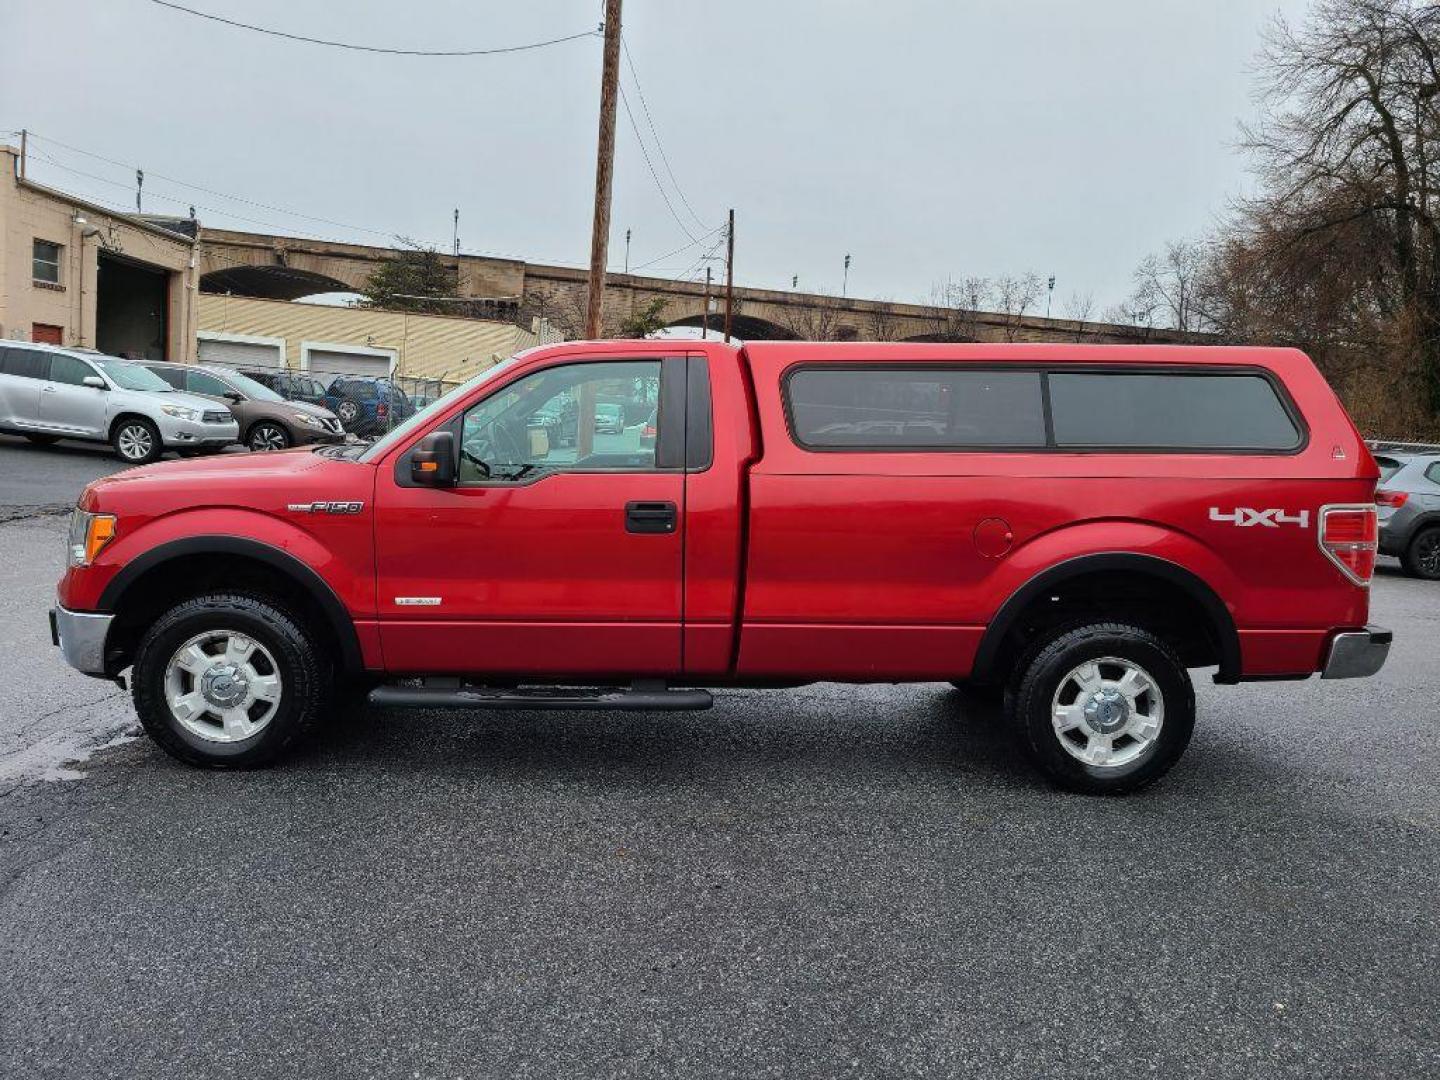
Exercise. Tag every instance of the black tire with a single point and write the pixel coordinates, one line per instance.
(136, 441)
(42, 440)
(1422, 555)
(304, 667)
(1049, 662)
(267, 435)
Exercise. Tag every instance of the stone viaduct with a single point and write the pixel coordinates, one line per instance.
(289, 268)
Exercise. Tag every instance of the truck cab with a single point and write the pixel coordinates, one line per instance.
(629, 524)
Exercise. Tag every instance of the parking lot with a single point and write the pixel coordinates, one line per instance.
(821, 882)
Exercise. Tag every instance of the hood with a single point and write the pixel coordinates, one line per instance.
(174, 397)
(276, 465)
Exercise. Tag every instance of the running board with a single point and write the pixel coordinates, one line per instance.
(647, 696)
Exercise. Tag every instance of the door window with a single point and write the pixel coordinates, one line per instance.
(174, 376)
(202, 382)
(69, 370)
(571, 418)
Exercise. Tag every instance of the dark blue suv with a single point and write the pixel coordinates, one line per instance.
(367, 406)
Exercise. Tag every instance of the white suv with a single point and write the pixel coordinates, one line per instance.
(49, 393)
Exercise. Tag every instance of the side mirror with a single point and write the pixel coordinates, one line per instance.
(233, 397)
(432, 462)
(95, 382)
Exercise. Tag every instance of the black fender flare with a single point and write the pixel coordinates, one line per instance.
(1171, 573)
(337, 617)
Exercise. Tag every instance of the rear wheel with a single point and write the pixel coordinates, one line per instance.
(1422, 556)
(229, 681)
(348, 410)
(267, 436)
(136, 441)
(1104, 708)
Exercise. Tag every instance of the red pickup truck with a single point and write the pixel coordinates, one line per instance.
(623, 524)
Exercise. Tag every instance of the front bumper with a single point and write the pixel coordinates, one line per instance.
(81, 638)
(308, 436)
(176, 433)
(1354, 654)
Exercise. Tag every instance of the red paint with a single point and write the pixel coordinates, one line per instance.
(787, 564)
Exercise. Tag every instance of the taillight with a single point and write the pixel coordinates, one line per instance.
(1350, 538)
(1391, 498)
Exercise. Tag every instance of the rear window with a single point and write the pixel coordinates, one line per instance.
(26, 363)
(1388, 467)
(905, 408)
(1179, 411)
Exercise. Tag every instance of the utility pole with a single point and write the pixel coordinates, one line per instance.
(604, 169)
(457, 230)
(794, 281)
(845, 281)
(1049, 293)
(730, 275)
(627, 251)
(705, 311)
(24, 148)
(139, 186)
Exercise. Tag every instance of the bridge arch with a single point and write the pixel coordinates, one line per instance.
(271, 282)
(744, 327)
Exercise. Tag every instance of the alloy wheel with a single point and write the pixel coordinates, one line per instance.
(268, 437)
(222, 686)
(1427, 553)
(135, 442)
(1107, 712)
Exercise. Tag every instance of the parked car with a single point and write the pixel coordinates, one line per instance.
(267, 421)
(609, 419)
(1085, 525)
(49, 393)
(291, 385)
(1409, 502)
(367, 406)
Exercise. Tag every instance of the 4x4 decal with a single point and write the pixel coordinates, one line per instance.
(1245, 517)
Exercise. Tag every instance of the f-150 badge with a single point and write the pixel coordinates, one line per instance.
(326, 507)
(1245, 517)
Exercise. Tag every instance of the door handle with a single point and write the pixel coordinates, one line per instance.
(650, 517)
(47, 389)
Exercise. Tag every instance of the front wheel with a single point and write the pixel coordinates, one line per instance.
(1105, 708)
(268, 436)
(1422, 556)
(137, 441)
(229, 681)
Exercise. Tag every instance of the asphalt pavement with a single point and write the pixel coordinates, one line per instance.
(823, 882)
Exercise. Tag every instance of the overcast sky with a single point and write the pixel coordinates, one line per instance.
(927, 138)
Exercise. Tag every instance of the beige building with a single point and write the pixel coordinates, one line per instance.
(74, 273)
(326, 339)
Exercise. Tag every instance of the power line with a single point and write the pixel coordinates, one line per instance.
(645, 106)
(677, 251)
(373, 48)
(208, 191)
(651, 166)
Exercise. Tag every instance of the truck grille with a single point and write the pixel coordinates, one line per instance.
(332, 425)
(217, 416)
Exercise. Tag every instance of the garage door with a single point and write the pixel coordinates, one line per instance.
(241, 354)
(327, 363)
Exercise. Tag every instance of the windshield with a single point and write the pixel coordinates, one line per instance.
(422, 416)
(133, 377)
(249, 387)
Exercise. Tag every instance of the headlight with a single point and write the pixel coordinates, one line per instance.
(180, 412)
(306, 418)
(89, 533)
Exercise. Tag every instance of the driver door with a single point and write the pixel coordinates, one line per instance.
(558, 553)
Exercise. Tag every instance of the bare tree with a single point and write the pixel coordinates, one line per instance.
(817, 321)
(1168, 286)
(1077, 308)
(959, 306)
(883, 322)
(1014, 297)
